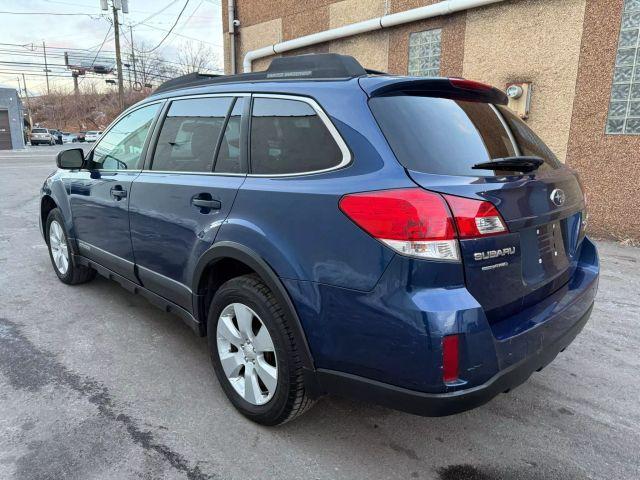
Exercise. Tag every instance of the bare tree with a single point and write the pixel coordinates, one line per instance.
(196, 57)
(152, 67)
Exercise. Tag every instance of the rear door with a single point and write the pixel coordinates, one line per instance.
(99, 193)
(439, 140)
(186, 191)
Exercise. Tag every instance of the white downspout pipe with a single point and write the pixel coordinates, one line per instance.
(442, 8)
(231, 10)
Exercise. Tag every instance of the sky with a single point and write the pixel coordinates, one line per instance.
(80, 27)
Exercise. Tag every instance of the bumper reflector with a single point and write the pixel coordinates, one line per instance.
(450, 358)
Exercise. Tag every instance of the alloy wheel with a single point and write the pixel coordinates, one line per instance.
(247, 353)
(58, 245)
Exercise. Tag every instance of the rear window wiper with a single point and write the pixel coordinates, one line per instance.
(517, 164)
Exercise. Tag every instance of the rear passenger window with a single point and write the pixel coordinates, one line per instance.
(288, 136)
(528, 142)
(229, 160)
(440, 135)
(189, 135)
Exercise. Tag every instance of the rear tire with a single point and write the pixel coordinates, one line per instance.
(271, 406)
(61, 254)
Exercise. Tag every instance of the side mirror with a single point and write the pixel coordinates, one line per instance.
(71, 159)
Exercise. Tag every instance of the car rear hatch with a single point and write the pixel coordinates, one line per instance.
(439, 129)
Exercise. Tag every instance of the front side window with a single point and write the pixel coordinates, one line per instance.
(624, 105)
(424, 53)
(189, 134)
(288, 136)
(121, 147)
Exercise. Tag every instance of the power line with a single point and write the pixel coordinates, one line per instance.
(85, 55)
(102, 45)
(177, 34)
(171, 29)
(61, 14)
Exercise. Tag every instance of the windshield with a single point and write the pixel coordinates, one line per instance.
(448, 137)
(39, 130)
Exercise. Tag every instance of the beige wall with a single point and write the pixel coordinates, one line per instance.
(608, 164)
(371, 49)
(518, 40)
(530, 40)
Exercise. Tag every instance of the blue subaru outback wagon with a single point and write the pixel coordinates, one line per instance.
(405, 241)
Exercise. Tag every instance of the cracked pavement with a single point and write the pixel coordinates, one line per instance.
(96, 383)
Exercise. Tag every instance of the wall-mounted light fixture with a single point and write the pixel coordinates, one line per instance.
(519, 94)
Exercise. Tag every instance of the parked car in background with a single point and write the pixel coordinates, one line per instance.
(57, 136)
(41, 136)
(68, 137)
(406, 241)
(92, 135)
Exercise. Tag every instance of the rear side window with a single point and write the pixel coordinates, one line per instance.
(442, 136)
(189, 134)
(447, 137)
(528, 142)
(288, 136)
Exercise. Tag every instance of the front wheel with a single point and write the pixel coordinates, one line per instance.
(60, 252)
(254, 353)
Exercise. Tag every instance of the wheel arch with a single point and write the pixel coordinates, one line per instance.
(228, 257)
(47, 203)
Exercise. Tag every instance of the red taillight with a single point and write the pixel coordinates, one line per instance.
(450, 358)
(412, 221)
(419, 223)
(465, 84)
(475, 218)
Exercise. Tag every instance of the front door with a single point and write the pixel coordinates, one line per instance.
(5, 131)
(178, 203)
(99, 193)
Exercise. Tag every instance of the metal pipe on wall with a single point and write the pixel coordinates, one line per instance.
(437, 9)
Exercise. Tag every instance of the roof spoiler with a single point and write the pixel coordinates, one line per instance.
(452, 88)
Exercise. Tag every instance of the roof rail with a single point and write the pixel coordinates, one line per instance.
(314, 66)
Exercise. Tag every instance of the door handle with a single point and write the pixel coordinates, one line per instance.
(118, 193)
(205, 201)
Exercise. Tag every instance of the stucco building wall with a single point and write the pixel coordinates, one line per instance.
(609, 165)
(536, 41)
(566, 48)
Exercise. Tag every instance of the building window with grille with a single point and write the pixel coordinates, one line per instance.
(624, 106)
(424, 53)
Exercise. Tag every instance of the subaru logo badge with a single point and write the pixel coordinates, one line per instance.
(558, 197)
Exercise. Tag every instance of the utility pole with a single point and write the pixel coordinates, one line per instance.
(116, 31)
(74, 74)
(26, 96)
(133, 59)
(76, 87)
(46, 67)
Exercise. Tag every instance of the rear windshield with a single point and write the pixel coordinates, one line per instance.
(448, 137)
(39, 130)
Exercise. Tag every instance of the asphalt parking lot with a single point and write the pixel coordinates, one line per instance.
(95, 383)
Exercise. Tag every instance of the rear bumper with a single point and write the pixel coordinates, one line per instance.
(441, 404)
(385, 345)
